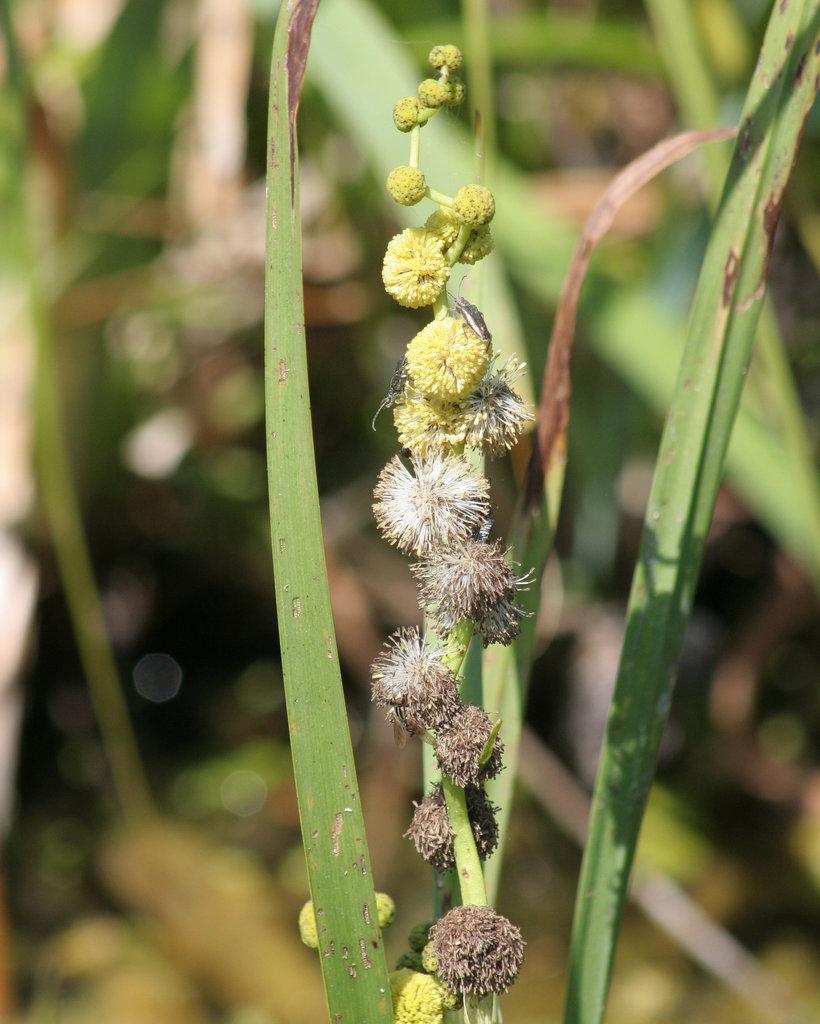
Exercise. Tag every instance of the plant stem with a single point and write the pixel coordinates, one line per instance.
(468, 864)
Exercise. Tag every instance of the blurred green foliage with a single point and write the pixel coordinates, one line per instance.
(149, 230)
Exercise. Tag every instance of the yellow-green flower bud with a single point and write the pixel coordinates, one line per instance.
(415, 271)
(452, 1000)
(474, 205)
(308, 932)
(448, 55)
(480, 244)
(385, 908)
(446, 360)
(411, 960)
(406, 113)
(419, 936)
(406, 185)
(428, 959)
(433, 93)
(417, 998)
(455, 93)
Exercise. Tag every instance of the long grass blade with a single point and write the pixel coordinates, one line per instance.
(341, 883)
(688, 473)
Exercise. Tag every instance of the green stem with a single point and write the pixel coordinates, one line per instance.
(439, 197)
(457, 248)
(415, 146)
(468, 864)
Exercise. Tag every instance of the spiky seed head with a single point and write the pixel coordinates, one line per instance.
(412, 682)
(459, 747)
(494, 414)
(483, 819)
(431, 831)
(432, 834)
(441, 501)
(464, 582)
(477, 950)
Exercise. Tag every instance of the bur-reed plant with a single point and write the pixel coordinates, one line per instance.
(433, 504)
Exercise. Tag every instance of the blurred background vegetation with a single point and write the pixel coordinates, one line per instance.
(143, 157)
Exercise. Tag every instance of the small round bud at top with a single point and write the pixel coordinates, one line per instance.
(308, 932)
(477, 950)
(446, 56)
(417, 998)
(474, 205)
(414, 271)
(406, 185)
(433, 93)
(406, 113)
(386, 909)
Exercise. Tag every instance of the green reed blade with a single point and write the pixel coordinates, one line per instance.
(341, 884)
(688, 473)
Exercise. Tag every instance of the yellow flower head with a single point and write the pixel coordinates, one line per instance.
(423, 424)
(479, 244)
(443, 223)
(445, 361)
(417, 998)
(415, 270)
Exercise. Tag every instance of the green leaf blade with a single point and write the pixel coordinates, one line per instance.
(341, 884)
(688, 473)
